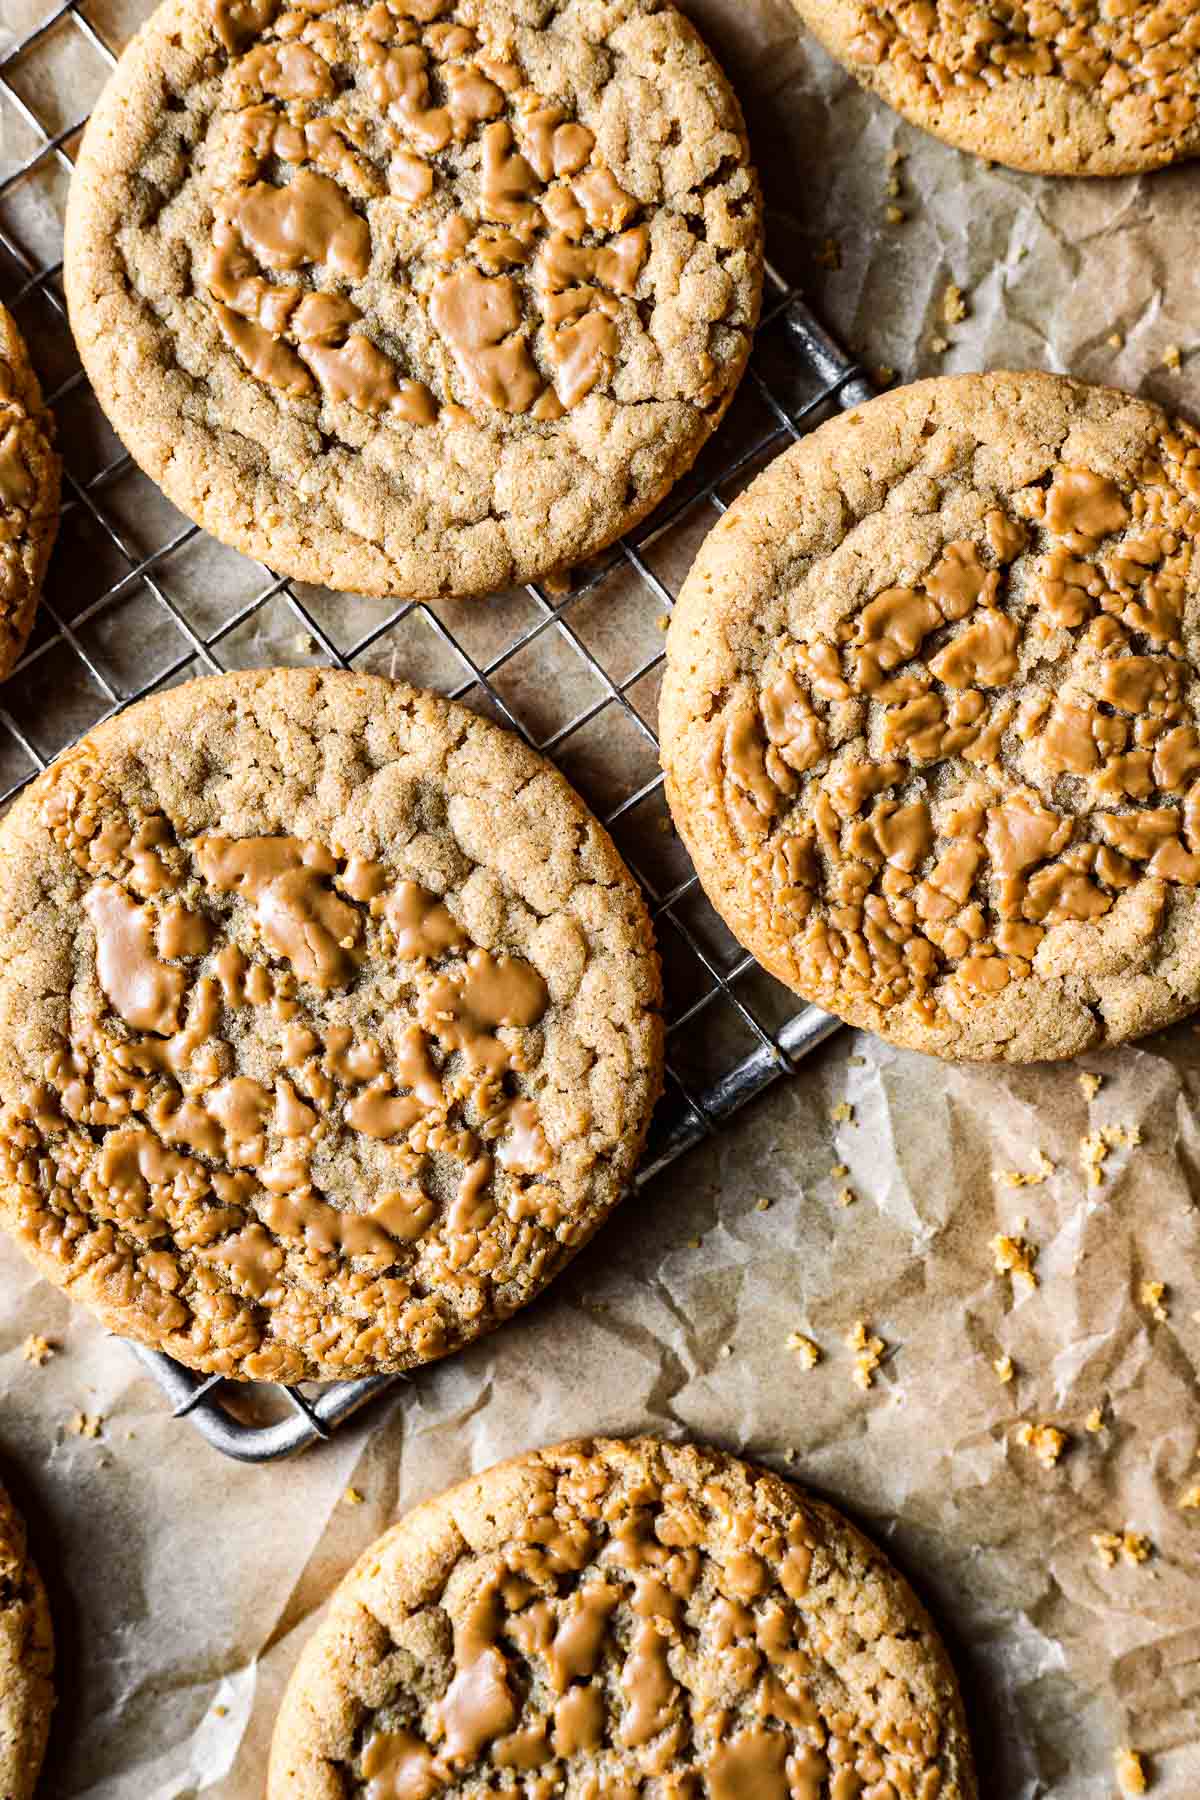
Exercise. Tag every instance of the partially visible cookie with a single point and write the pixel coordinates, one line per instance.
(29, 483)
(931, 717)
(26, 1661)
(1082, 89)
(329, 1024)
(611, 1618)
(421, 296)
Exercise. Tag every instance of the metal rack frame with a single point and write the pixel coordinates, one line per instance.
(797, 377)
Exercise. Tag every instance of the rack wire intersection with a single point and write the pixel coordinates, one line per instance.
(139, 599)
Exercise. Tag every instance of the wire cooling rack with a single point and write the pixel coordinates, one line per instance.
(138, 599)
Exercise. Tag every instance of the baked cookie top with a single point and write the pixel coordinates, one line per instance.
(415, 297)
(930, 717)
(26, 1660)
(328, 1024)
(622, 1618)
(29, 484)
(1076, 88)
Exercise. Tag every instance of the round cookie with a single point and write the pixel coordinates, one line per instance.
(328, 1024)
(623, 1617)
(26, 1660)
(29, 483)
(930, 717)
(1086, 89)
(415, 297)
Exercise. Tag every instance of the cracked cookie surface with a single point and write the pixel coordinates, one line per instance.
(623, 1617)
(29, 488)
(930, 718)
(26, 1660)
(329, 1024)
(1073, 88)
(415, 297)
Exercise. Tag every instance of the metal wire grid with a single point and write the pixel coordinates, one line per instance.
(123, 616)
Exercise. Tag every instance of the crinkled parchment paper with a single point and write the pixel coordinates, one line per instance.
(184, 1585)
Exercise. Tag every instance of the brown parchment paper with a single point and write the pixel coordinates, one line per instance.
(184, 1585)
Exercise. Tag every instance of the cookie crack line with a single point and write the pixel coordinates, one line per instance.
(954, 783)
(290, 1108)
(509, 269)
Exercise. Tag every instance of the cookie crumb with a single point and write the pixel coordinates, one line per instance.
(664, 621)
(1015, 1256)
(1116, 340)
(1094, 1148)
(808, 1354)
(789, 1455)
(869, 1354)
(954, 304)
(1019, 1178)
(694, 1243)
(893, 187)
(856, 1062)
(1131, 1773)
(304, 642)
(842, 1113)
(895, 215)
(1046, 1442)
(939, 345)
(353, 1497)
(1189, 1500)
(846, 1196)
(726, 1350)
(221, 1712)
(1090, 1084)
(1154, 1299)
(85, 1424)
(37, 1350)
(829, 256)
(762, 1204)
(1133, 1546)
(1003, 1366)
(884, 375)
(1172, 357)
(839, 1171)
(1094, 1421)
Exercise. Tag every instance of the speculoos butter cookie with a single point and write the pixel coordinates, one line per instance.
(930, 717)
(1076, 88)
(329, 1024)
(620, 1618)
(26, 1660)
(415, 297)
(29, 492)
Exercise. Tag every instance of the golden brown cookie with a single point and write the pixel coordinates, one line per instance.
(29, 483)
(1081, 88)
(415, 297)
(930, 717)
(612, 1618)
(26, 1660)
(328, 1024)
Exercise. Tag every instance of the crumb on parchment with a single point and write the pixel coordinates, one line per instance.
(1094, 1148)
(37, 1350)
(1003, 1366)
(1116, 340)
(1189, 1500)
(1172, 357)
(1046, 1442)
(1090, 1084)
(1015, 1256)
(1132, 1546)
(954, 304)
(1095, 1420)
(939, 345)
(1019, 1178)
(1154, 1299)
(842, 1113)
(895, 215)
(868, 1354)
(86, 1425)
(763, 1203)
(808, 1354)
(353, 1497)
(1131, 1773)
